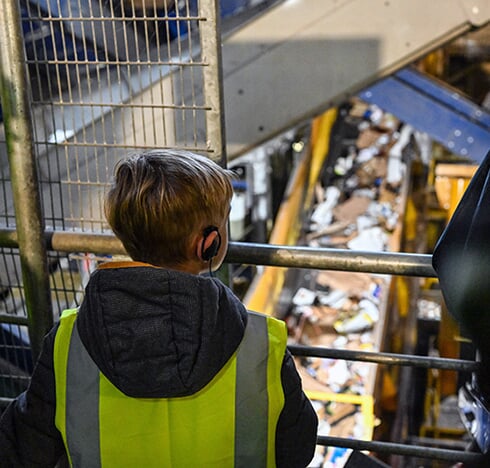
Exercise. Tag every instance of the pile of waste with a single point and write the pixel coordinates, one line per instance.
(359, 205)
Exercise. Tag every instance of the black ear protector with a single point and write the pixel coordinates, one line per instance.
(212, 250)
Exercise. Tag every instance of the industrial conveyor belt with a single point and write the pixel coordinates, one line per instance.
(301, 56)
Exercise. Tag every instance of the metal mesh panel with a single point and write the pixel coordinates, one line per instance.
(15, 355)
(66, 281)
(11, 295)
(15, 362)
(108, 78)
(7, 215)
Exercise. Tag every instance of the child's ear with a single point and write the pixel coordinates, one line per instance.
(210, 243)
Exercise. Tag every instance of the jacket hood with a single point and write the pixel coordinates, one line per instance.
(157, 333)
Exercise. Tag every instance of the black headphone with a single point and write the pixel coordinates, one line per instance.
(212, 250)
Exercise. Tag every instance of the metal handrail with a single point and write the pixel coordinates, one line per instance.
(390, 263)
(405, 264)
(471, 458)
(385, 358)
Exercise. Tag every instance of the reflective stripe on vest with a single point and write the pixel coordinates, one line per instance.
(231, 422)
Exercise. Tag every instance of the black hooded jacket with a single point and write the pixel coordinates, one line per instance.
(154, 333)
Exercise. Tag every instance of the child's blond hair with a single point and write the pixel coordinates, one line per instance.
(160, 199)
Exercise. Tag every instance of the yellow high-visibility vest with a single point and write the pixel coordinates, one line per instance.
(231, 422)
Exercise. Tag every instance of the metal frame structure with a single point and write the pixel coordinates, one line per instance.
(81, 86)
(64, 131)
(328, 259)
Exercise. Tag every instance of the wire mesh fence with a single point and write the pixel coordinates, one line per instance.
(15, 355)
(101, 79)
(108, 78)
(96, 81)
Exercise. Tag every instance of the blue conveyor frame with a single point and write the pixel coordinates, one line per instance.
(432, 107)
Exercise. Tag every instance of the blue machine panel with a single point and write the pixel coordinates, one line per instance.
(436, 109)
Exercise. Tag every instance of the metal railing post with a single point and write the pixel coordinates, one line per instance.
(213, 82)
(21, 154)
(210, 34)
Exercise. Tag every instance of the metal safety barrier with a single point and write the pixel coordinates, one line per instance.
(301, 257)
(390, 263)
(425, 362)
(63, 137)
(403, 449)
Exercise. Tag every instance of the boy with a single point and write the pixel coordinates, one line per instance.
(161, 366)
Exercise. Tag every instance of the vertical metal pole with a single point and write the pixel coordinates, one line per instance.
(22, 162)
(210, 33)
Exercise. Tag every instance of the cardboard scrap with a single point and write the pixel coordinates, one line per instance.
(368, 138)
(354, 283)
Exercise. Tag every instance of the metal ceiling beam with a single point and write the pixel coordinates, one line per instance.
(303, 56)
